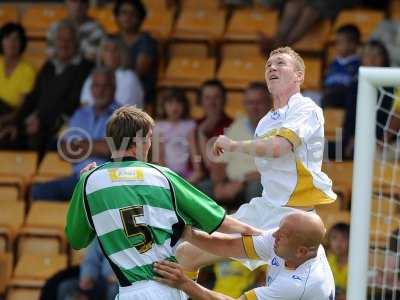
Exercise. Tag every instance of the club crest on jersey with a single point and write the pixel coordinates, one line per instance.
(295, 277)
(275, 115)
(126, 174)
(275, 262)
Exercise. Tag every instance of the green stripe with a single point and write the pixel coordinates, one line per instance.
(117, 197)
(144, 272)
(116, 240)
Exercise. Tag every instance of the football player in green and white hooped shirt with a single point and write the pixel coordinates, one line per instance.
(138, 210)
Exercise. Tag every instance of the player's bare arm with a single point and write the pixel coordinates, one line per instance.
(172, 275)
(268, 147)
(231, 225)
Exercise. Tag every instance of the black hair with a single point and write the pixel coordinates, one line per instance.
(8, 29)
(341, 227)
(351, 32)
(382, 49)
(174, 94)
(137, 4)
(215, 83)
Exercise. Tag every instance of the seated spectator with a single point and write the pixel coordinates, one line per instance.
(92, 280)
(212, 98)
(374, 54)
(17, 76)
(54, 97)
(88, 131)
(238, 178)
(342, 72)
(388, 32)
(112, 54)
(142, 48)
(338, 248)
(298, 17)
(89, 31)
(174, 131)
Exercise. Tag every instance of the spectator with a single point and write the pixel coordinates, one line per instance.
(374, 54)
(338, 248)
(212, 98)
(92, 120)
(174, 130)
(17, 76)
(238, 178)
(143, 49)
(112, 54)
(89, 31)
(342, 72)
(388, 31)
(298, 17)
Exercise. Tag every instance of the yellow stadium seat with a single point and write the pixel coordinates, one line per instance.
(333, 121)
(8, 193)
(234, 104)
(8, 13)
(385, 206)
(237, 73)
(381, 228)
(38, 18)
(47, 214)
(240, 50)
(312, 80)
(105, 16)
(36, 53)
(365, 19)
(246, 24)
(204, 4)
(159, 23)
(51, 167)
(196, 111)
(20, 293)
(11, 219)
(188, 72)
(316, 38)
(76, 257)
(152, 5)
(332, 218)
(6, 265)
(200, 25)
(386, 175)
(199, 50)
(36, 244)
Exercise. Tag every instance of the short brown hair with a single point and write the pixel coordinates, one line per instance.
(297, 58)
(128, 121)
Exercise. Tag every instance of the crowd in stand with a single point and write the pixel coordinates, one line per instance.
(89, 73)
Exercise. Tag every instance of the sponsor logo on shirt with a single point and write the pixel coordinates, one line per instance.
(126, 174)
(275, 115)
(295, 277)
(275, 262)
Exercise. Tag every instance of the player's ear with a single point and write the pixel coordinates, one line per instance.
(300, 76)
(302, 251)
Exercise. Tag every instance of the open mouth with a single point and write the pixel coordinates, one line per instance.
(273, 77)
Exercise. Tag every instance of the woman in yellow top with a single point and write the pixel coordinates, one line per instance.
(17, 76)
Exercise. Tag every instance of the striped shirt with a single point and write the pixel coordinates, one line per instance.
(136, 210)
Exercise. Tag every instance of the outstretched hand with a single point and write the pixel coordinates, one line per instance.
(222, 144)
(88, 167)
(170, 274)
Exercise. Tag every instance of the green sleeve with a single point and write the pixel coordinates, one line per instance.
(193, 206)
(78, 230)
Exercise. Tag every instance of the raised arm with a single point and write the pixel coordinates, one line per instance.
(231, 225)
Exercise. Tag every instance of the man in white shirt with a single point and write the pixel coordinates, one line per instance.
(288, 151)
(298, 268)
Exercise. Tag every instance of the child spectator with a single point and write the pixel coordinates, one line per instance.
(338, 248)
(175, 133)
(342, 72)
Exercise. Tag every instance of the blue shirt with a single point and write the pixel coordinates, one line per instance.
(342, 72)
(85, 124)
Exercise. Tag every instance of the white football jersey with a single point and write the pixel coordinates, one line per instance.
(295, 179)
(313, 280)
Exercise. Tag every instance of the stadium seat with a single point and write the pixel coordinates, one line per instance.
(333, 121)
(234, 104)
(316, 38)
(240, 50)
(200, 24)
(196, 50)
(159, 23)
(245, 24)
(17, 168)
(312, 80)
(152, 5)
(204, 4)
(385, 206)
(332, 218)
(19, 293)
(6, 266)
(36, 53)
(11, 219)
(105, 16)
(237, 73)
(196, 111)
(341, 174)
(381, 228)
(365, 19)
(386, 176)
(8, 13)
(51, 167)
(37, 18)
(8, 193)
(188, 72)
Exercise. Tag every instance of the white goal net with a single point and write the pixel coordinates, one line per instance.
(374, 258)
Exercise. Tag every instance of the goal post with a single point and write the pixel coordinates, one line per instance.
(369, 80)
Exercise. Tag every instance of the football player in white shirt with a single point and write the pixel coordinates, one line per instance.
(288, 150)
(298, 268)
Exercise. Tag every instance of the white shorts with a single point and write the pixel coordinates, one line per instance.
(261, 214)
(149, 290)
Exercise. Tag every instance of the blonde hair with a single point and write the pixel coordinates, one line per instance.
(127, 122)
(297, 58)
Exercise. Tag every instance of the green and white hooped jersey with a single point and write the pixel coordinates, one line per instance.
(131, 208)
